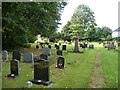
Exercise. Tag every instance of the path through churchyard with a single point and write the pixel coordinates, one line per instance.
(97, 78)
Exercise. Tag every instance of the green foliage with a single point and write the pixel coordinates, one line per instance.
(27, 45)
(82, 20)
(109, 37)
(104, 32)
(24, 20)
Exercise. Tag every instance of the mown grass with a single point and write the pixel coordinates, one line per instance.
(110, 67)
(77, 72)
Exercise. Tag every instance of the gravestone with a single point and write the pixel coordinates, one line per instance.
(41, 72)
(57, 47)
(44, 56)
(16, 55)
(91, 46)
(14, 68)
(4, 55)
(59, 52)
(76, 47)
(42, 45)
(63, 47)
(49, 46)
(28, 57)
(81, 45)
(85, 45)
(37, 46)
(111, 46)
(46, 51)
(60, 62)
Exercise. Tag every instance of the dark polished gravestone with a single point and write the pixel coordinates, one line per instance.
(16, 55)
(59, 52)
(14, 68)
(91, 46)
(64, 47)
(60, 62)
(43, 56)
(49, 46)
(41, 72)
(37, 46)
(57, 47)
(86, 45)
(81, 45)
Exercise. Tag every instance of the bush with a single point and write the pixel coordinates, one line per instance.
(27, 45)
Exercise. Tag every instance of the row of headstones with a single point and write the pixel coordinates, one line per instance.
(91, 46)
(27, 57)
(49, 46)
(41, 68)
(109, 45)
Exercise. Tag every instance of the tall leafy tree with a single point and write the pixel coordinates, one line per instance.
(21, 21)
(82, 23)
(103, 33)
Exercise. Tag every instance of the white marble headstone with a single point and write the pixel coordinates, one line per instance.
(28, 57)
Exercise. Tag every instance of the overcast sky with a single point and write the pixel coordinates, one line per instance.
(106, 12)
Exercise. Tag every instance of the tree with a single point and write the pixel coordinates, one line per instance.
(109, 37)
(82, 23)
(103, 32)
(24, 20)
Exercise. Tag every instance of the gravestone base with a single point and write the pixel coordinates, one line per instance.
(47, 83)
(78, 51)
(60, 67)
(13, 75)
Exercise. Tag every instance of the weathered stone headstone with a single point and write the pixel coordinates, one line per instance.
(46, 51)
(63, 47)
(14, 68)
(60, 62)
(59, 52)
(41, 72)
(110, 46)
(76, 48)
(4, 55)
(28, 57)
(16, 55)
(44, 56)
